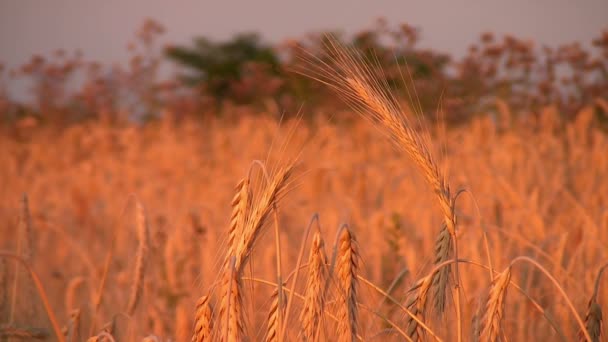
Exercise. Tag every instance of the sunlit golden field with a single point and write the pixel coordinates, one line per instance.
(458, 199)
(536, 187)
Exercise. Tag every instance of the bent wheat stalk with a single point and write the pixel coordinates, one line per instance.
(579, 321)
(353, 79)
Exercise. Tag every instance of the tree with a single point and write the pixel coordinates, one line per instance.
(229, 69)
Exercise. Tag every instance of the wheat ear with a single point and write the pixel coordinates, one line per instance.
(347, 268)
(495, 306)
(240, 204)
(593, 317)
(314, 299)
(416, 305)
(353, 80)
(593, 322)
(203, 321)
(231, 306)
(442, 253)
(275, 314)
(259, 214)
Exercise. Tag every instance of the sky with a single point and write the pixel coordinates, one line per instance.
(102, 29)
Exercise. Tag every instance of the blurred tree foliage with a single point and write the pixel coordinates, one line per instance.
(222, 69)
(244, 70)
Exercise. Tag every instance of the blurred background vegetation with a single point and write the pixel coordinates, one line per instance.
(246, 72)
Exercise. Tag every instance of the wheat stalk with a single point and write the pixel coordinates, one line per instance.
(26, 231)
(314, 300)
(346, 271)
(73, 331)
(41, 292)
(25, 249)
(183, 325)
(72, 291)
(140, 259)
(4, 290)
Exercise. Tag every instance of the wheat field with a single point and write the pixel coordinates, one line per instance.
(385, 228)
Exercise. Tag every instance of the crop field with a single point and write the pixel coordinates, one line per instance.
(386, 226)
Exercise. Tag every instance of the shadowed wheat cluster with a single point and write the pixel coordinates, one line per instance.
(388, 228)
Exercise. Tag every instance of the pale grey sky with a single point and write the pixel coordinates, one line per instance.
(102, 29)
